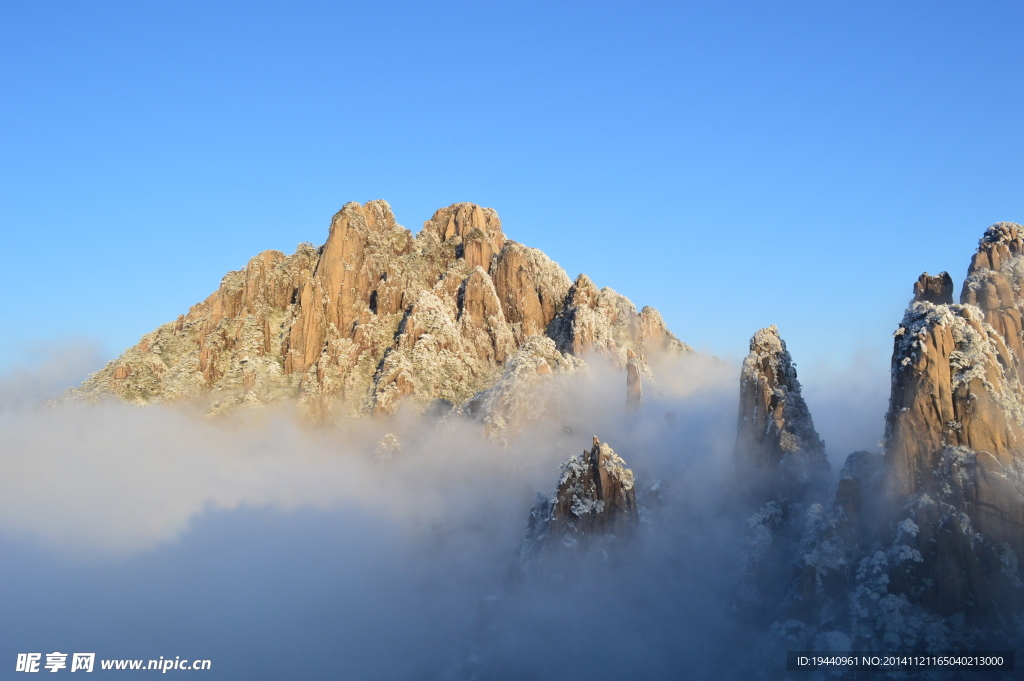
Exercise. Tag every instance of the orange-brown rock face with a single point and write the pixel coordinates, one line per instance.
(637, 373)
(531, 292)
(373, 318)
(993, 284)
(595, 500)
(634, 388)
(352, 267)
(604, 322)
(776, 440)
(955, 434)
(479, 229)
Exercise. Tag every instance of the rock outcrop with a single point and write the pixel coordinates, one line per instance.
(375, 318)
(634, 383)
(920, 547)
(594, 502)
(527, 391)
(605, 322)
(993, 285)
(638, 375)
(955, 436)
(776, 441)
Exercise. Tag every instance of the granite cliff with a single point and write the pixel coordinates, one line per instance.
(919, 546)
(378, 317)
(955, 434)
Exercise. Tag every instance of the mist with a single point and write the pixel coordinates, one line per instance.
(848, 400)
(277, 550)
(45, 369)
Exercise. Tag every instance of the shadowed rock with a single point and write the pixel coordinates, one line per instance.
(776, 440)
(595, 501)
(937, 289)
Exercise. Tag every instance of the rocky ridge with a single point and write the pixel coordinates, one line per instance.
(376, 318)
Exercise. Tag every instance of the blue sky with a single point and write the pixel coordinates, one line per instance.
(732, 164)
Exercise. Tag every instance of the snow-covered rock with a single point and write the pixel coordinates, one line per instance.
(377, 318)
(776, 441)
(594, 503)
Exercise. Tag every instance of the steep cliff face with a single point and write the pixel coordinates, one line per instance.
(594, 501)
(776, 439)
(374, 318)
(955, 436)
(993, 284)
(919, 546)
(605, 322)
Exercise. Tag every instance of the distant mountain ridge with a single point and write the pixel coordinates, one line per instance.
(377, 317)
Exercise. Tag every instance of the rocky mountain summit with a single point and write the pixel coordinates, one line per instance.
(378, 317)
(955, 435)
(914, 548)
(919, 547)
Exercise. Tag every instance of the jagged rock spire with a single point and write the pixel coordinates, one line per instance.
(637, 371)
(595, 500)
(954, 449)
(776, 434)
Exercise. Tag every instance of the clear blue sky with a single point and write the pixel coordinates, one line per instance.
(732, 164)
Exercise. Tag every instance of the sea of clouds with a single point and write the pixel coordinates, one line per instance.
(278, 550)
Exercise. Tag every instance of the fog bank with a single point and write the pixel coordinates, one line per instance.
(281, 551)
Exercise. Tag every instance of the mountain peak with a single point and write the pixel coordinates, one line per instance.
(594, 502)
(955, 431)
(375, 318)
(776, 434)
